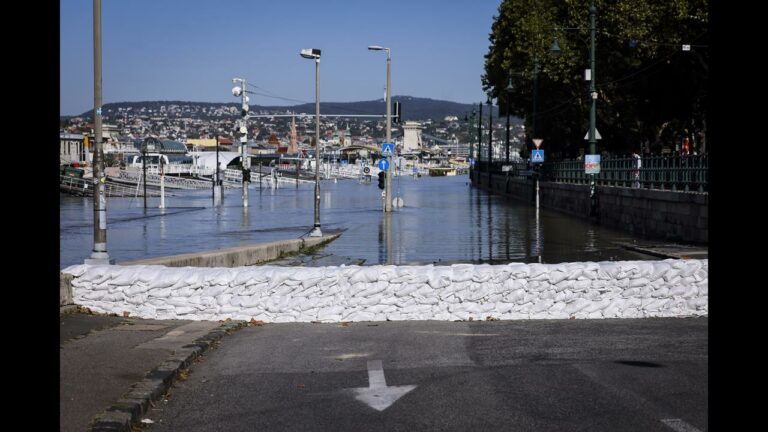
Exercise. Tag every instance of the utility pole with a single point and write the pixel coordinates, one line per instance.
(316, 231)
(99, 254)
(490, 137)
(534, 133)
(244, 148)
(388, 182)
(244, 161)
(144, 172)
(314, 54)
(388, 200)
(593, 108)
(479, 131)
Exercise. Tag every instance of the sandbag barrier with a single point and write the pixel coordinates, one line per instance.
(612, 289)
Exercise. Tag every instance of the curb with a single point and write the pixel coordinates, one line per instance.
(132, 406)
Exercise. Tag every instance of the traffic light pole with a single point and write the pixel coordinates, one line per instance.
(244, 148)
(388, 191)
(99, 253)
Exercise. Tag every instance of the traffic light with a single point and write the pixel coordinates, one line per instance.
(246, 175)
(396, 113)
(382, 179)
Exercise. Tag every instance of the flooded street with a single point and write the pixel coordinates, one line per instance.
(444, 221)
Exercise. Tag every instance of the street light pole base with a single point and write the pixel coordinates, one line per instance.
(99, 258)
(316, 232)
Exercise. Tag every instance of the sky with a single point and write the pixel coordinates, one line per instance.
(191, 49)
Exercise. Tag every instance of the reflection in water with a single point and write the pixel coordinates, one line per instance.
(327, 200)
(490, 229)
(145, 236)
(445, 221)
(590, 243)
(162, 224)
(539, 252)
(245, 221)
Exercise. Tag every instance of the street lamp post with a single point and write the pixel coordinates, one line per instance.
(244, 161)
(490, 137)
(99, 253)
(509, 96)
(593, 107)
(591, 76)
(470, 121)
(480, 131)
(388, 184)
(314, 54)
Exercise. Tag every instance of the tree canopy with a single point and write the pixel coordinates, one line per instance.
(651, 92)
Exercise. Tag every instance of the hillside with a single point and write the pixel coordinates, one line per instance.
(413, 108)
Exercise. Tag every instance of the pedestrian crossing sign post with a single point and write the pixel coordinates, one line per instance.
(537, 156)
(387, 149)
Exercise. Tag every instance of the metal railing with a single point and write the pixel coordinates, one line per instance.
(674, 173)
(171, 182)
(84, 187)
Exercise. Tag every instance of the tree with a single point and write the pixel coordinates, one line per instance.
(646, 83)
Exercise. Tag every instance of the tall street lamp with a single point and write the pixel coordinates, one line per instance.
(591, 76)
(99, 253)
(470, 119)
(508, 89)
(490, 137)
(314, 54)
(246, 166)
(388, 184)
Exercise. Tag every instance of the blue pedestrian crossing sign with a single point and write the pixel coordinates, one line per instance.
(537, 156)
(387, 149)
(383, 164)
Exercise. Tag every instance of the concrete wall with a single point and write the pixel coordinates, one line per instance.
(648, 213)
(238, 256)
(623, 289)
(65, 289)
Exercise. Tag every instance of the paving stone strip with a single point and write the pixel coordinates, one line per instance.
(132, 406)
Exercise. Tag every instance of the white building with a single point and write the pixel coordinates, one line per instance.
(71, 148)
(411, 137)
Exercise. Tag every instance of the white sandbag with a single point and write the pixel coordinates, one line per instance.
(557, 276)
(406, 289)
(577, 305)
(541, 306)
(639, 282)
(365, 275)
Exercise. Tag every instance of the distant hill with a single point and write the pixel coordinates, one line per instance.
(413, 108)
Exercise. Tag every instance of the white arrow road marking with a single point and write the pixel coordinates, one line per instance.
(378, 395)
(679, 425)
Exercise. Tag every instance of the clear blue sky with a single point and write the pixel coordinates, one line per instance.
(191, 49)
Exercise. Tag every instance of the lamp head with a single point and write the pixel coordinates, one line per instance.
(310, 53)
(509, 86)
(375, 47)
(555, 48)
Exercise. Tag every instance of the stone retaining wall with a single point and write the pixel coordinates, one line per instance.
(663, 214)
(621, 289)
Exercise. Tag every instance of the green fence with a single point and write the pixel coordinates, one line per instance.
(674, 173)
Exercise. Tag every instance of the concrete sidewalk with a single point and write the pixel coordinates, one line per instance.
(112, 368)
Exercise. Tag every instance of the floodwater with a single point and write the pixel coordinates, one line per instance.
(443, 221)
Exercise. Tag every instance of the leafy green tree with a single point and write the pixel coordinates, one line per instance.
(651, 92)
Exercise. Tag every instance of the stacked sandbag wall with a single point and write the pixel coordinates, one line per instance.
(620, 289)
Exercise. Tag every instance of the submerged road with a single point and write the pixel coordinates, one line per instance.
(537, 375)
(444, 221)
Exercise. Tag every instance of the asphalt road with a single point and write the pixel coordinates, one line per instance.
(539, 375)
